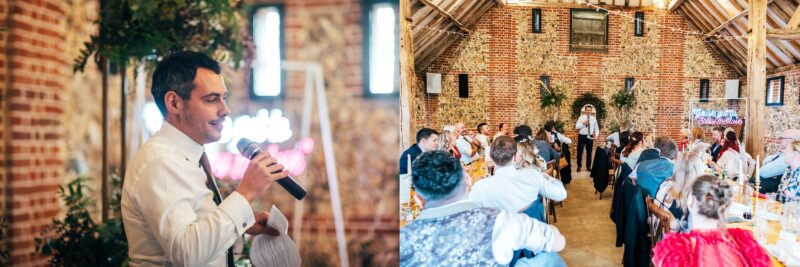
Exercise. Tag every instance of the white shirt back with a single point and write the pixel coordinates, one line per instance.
(514, 190)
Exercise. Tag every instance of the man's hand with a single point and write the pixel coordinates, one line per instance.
(260, 227)
(586, 122)
(261, 173)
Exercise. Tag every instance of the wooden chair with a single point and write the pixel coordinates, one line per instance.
(662, 219)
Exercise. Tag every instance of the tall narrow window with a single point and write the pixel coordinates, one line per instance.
(775, 91)
(267, 78)
(545, 83)
(537, 20)
(704, 90)
(629, 82)
(381, 38)
(639, 24)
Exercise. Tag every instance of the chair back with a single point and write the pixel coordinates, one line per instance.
(659, 220)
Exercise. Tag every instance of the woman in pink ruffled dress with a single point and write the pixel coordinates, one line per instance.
(709, 243)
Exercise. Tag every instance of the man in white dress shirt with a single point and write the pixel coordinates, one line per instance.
(588, 130)
(453, 231)
(464, 144)
(171, 208)
(512, 189)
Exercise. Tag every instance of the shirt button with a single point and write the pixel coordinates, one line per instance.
(244, 224)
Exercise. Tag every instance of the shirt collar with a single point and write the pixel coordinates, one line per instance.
(188, 147)
(449, 209)
(507, 170)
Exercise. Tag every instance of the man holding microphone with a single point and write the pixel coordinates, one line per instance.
(588, 130)
(171, 208)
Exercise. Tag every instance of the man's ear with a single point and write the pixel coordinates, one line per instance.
(173, 102)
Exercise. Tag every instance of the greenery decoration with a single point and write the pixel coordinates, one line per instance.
(151, 29)
(589, 98)
(552, 96)
(77, 240)
(623, 99)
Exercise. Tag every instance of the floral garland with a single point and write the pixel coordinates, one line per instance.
(590, 99)
(552, 96)
(623, 99)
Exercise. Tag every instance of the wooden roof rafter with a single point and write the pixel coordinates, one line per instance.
(446, 14)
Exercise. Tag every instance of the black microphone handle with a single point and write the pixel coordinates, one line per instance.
(288, 183)
(292, 187)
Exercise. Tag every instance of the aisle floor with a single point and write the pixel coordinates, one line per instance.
(584, 221)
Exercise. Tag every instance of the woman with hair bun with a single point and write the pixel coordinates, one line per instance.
(709, 243)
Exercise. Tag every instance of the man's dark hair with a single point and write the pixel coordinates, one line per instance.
(667, 147)
(478, 129)
(503, 150)
(523, 130)
(521, 138)
(176, 73)
(436, 174)
(501, 126)
(424, 133)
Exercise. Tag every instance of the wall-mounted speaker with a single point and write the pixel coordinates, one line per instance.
(433, 83)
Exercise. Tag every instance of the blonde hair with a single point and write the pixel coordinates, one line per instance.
(795, 146)
(690, 165)
(444, 140)
(529, 155)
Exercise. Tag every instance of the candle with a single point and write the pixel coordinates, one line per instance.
(758, 168)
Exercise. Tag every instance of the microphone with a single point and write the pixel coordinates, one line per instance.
(249, 149)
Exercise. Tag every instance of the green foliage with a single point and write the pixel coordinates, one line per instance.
(552, 96)
(589, 98)
(149, 29)
(77, 240)
(623, 99)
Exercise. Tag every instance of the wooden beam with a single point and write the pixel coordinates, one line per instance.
(756, 77)
(406, 76)
(794, 20)
(581, 4)
(729, 21)
(784, 34)
(674, 4)
(444, 13)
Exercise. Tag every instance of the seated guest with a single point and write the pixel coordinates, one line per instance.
(447, 141)
(790, 183)
(427, 140)
(546, 150)
(503, 130)
(649, 175)
(481, 139)
(528, 157)
(696, 137)
(563, 142)
(774, 165)
(618, 140)
(453, 231)
(464, 144)
(710, 243)
(683, 141)
(523, 130)
(510, 188)
(730, 159)
(674, 193)
(630, 155)
(719, 138)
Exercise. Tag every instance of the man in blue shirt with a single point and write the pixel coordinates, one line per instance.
(774, 165)
(650, 174)
(427, 140)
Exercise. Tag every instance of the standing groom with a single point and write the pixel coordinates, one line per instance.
(588, 130)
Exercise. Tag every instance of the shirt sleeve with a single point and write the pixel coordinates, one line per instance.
(564, 139)
(552, 189)
(773, 168)
(514, 231)
(579, 124)
(595, 127)
(167, 201)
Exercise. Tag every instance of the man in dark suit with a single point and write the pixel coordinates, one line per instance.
(427, 140)
(717, 146)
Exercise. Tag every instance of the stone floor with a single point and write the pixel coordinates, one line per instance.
(585, 223)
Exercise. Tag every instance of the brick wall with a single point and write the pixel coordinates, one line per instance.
(590, 70)
(34, 77)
